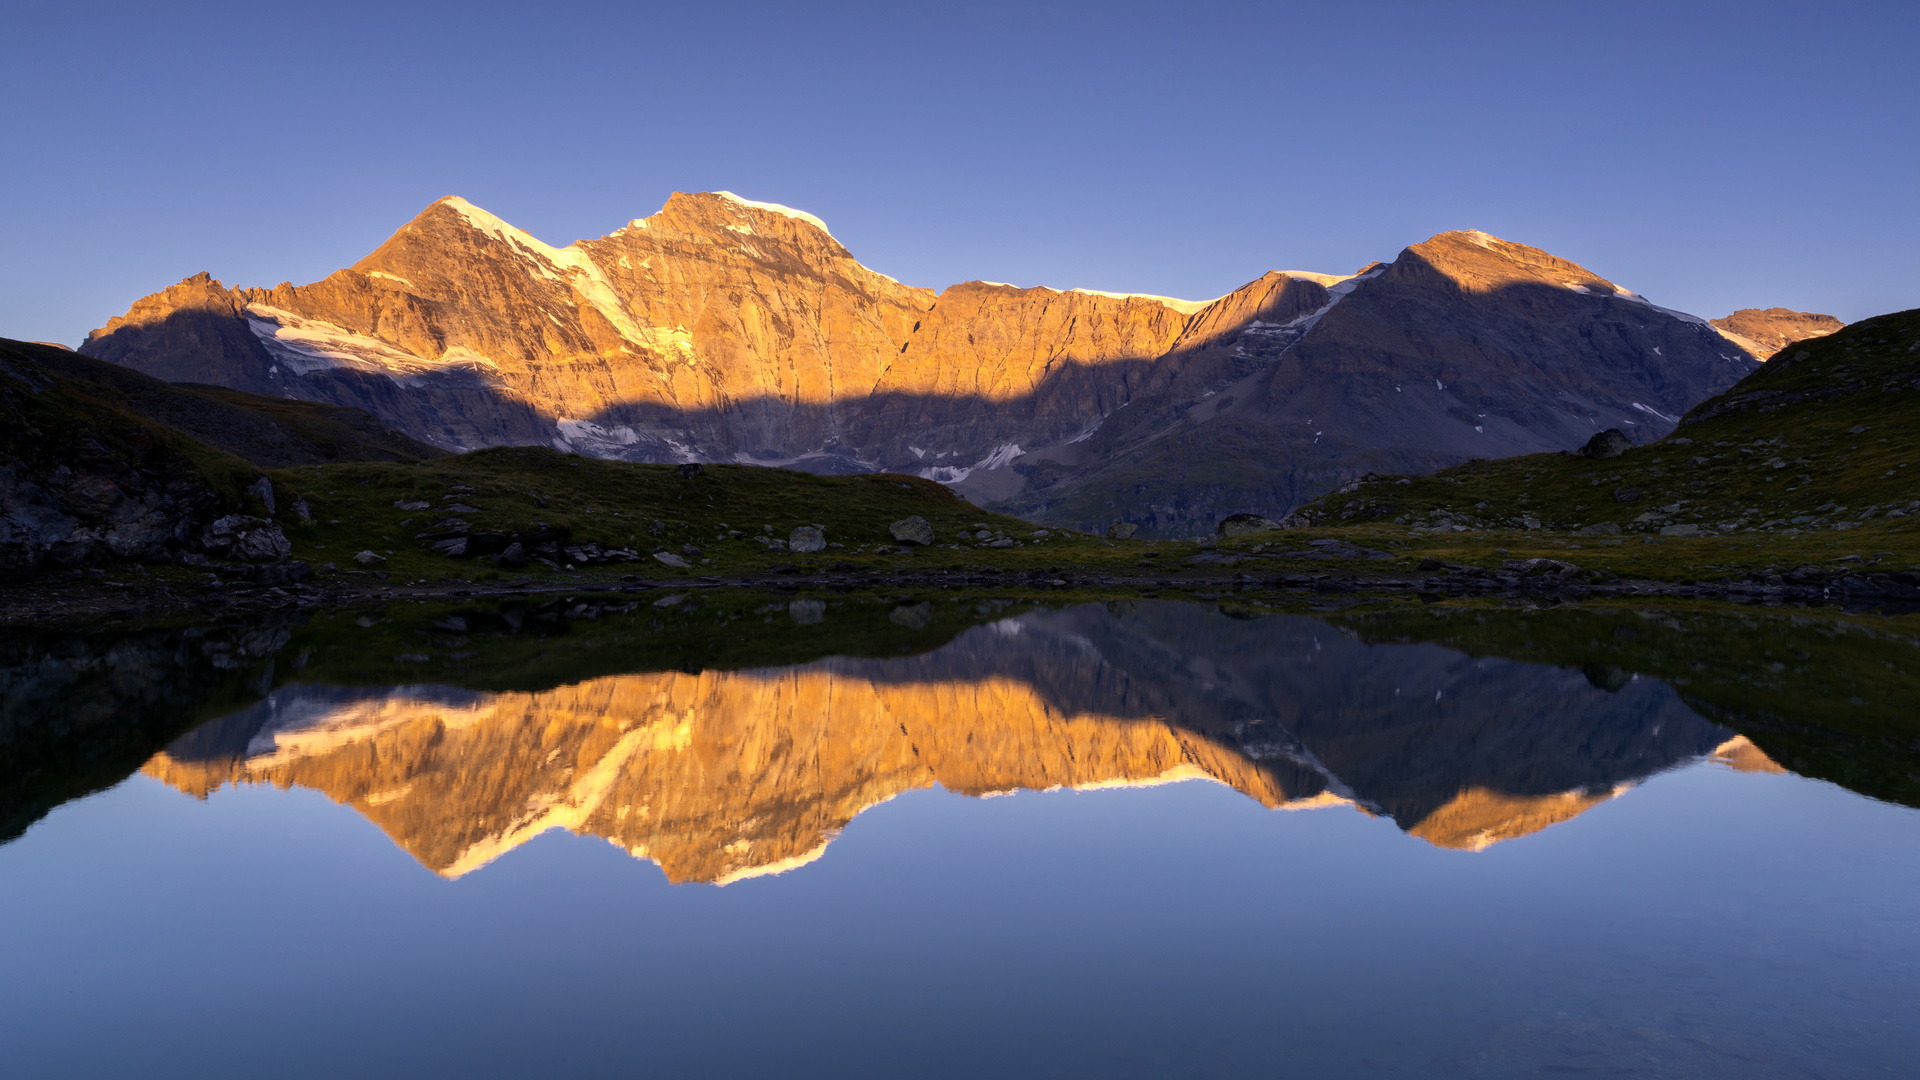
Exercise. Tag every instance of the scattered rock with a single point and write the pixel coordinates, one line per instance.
(301, 510)
(671, 559)
(1599, 528)
(1246, 525)
(1626, 495)
(1122, 530)
(262, 489)
(807, 612)
(368, 558)
(912, 530)
(1610, 443)
(412, 504)
(1680, 530)
(688, 471)
(807, 539)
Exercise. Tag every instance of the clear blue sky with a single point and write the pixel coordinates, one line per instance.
(1707, 156)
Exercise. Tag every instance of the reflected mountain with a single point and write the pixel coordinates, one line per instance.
(722, 775)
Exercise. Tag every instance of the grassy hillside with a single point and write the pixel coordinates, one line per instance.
(1826, 437)
(267, 431)
(710, 519)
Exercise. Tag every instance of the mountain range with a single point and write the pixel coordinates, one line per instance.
(722, 329)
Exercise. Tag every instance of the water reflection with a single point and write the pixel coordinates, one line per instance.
(722, 775)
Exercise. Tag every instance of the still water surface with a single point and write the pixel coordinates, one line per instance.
(1120, 840)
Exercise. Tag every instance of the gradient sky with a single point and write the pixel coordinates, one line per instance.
(1707, 156)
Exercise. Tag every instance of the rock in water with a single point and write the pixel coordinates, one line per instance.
(1122, 530)
(671, 559)
(1610, 443)
(1246, 525)
(368, 558)
(912, 616)
(911, 530)
(806, 540)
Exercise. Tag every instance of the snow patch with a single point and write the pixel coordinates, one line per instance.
(998, 458)
(1184, 307)
(776, 208)
(309, 345)
(391, 277)
(1656, 412)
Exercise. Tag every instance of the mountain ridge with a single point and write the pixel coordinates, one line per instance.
(719, 329)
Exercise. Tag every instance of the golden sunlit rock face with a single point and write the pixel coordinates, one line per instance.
(716, 323)
(715, 776)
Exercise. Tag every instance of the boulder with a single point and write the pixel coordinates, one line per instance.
(513, 558)
(1122, 530)
(671, 559)
(262, 489)
(807, 612)
(912, 530)
(1626, 495)
(1610, 443)
(368, 558)
(688, 471)
(251, 539)
(1246, 525)
(806, 540)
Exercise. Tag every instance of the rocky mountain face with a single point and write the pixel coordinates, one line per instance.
(721, 775)
(725, 330)
(1764, 332)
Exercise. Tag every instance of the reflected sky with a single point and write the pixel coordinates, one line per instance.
(1506, 869)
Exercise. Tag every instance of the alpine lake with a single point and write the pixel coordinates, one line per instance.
(732, 832)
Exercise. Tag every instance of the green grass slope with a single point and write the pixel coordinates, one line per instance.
(710, 519)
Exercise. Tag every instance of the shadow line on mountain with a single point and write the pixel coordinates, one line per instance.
(1518, 353)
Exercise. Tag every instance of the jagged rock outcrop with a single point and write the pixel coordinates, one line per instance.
(1764, 332)
(721, 329)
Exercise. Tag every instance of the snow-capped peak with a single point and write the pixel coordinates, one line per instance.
(776, 208)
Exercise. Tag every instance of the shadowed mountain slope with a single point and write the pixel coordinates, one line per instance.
(1823, 437)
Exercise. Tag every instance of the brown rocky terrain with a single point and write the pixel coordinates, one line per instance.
(724, 330)
(1764, 332)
